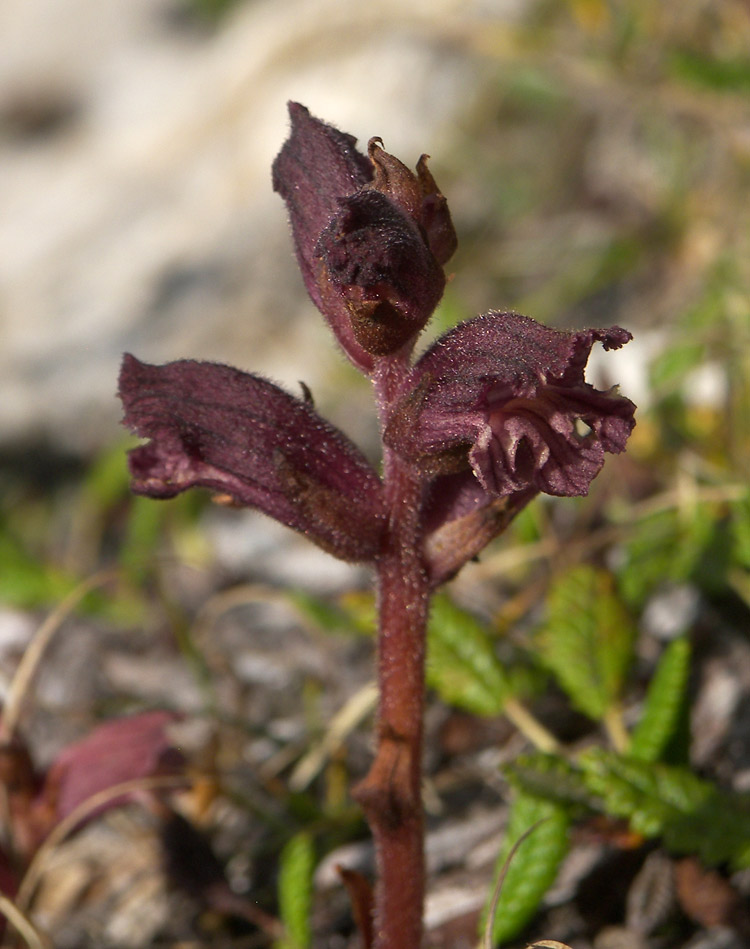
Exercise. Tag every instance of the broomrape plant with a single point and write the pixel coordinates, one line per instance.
(495, 412)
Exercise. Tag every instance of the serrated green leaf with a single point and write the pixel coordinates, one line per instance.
(295, 891)
(533, 867)
(587, 639)
(690, 814)
(666, 547)
(658, 800)
(550, 777)
(461, 662)
(646, 794)
(664, 703)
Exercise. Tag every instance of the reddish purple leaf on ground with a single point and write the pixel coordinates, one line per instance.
(120, 750)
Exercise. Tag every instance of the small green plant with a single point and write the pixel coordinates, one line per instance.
(586, 643)
(296, 866)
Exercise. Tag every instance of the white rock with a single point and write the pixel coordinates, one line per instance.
(148, 221)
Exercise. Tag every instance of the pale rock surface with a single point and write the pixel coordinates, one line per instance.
(137, 210)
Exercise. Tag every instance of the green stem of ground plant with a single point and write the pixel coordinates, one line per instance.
(530, 727)
(616, 730)
(391, 792)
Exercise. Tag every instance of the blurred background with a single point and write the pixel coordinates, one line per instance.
(595, 155)
(596, 158)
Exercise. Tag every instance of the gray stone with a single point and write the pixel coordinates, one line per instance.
(137, 206)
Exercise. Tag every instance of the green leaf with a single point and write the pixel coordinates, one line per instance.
(107, 480)
(692, 815)
(26, 582)
(145, 527)
(532, 89)
(646, 794)
(553, 778)
(741, 531)
(295, 891)
(587, 640)
(361, 610)
(209, 12)
(461, 663)
(324, 614)
(533, 867)
(148, 526)
(664, 703)
(528, 526)
(668, 547)
(719, 75)
(29, 582)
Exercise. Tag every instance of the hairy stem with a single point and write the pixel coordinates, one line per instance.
(391, 792)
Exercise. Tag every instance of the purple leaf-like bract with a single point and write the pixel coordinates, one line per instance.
(216, 427)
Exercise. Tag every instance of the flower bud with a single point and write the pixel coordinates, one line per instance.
(371, 237)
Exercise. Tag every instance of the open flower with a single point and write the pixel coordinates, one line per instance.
(371, 236)
(505, 397)
(495, 412)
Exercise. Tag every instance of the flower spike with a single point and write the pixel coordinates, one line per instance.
(496, 411)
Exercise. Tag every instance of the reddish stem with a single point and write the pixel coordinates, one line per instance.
(391, 792)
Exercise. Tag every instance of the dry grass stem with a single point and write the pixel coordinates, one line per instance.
(349, 716)
(32, 657)
(84, 810)
(33, 937)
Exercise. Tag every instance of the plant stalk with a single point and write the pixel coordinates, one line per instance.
(391, 793)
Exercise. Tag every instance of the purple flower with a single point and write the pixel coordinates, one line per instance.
(505, 398)
(371, 236)
(238, 434)
(496, 411)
